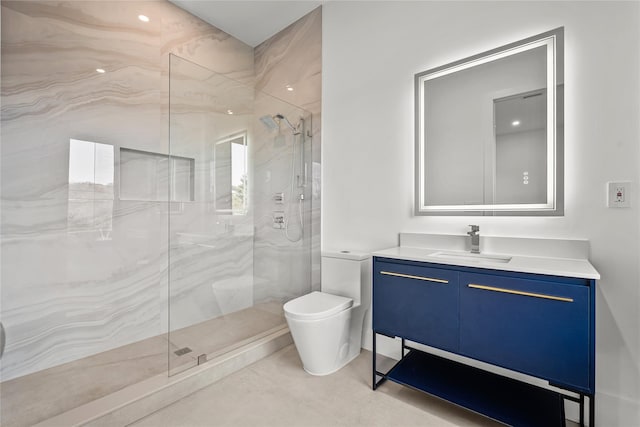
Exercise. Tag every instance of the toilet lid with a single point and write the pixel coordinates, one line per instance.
(316, 305)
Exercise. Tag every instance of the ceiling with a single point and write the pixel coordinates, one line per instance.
(250, 21)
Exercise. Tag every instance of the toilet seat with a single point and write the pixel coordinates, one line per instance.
(316, 305)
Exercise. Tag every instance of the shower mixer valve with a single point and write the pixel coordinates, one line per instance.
(278, 219)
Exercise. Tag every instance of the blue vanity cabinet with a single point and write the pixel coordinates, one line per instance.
(416, 302)
(536, 324)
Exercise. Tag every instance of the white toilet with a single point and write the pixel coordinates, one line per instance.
(327, 326)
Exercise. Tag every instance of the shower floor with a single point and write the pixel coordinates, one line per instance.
(35, 397)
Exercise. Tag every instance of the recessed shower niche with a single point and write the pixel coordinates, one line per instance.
(154, 176)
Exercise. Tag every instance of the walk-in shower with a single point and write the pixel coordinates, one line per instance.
(140, 242)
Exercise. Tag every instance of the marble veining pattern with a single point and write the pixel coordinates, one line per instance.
(291, 57)
(32, 398)
(72, 289)
(70, 292)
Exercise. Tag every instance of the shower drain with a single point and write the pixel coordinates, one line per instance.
(182, 351)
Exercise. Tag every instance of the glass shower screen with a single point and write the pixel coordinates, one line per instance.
(239, 203)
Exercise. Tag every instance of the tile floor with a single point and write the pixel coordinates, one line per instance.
(277, 392)
(33, 398)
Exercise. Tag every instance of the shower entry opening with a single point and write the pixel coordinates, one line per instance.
(239, 203)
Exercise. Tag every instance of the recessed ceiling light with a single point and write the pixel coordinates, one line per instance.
(143, 18)
(289, 88)
(515, 123)
(229, 112)
(100, 70)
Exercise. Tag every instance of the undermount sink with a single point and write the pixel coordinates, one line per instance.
(480, 258)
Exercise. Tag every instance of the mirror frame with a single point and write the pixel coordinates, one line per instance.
(554, 206)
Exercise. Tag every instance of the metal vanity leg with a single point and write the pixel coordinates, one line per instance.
(592, 410)
(374, 361)
(581, 410)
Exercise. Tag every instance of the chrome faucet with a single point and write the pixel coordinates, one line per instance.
(475, 238)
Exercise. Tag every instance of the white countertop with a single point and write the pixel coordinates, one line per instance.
(565, 267)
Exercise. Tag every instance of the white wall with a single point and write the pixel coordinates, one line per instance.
(371, 51)
(517, 152)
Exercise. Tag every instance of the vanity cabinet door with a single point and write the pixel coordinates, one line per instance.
(538, 327)
(417, 303)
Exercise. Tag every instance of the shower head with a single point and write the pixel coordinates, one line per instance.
(269, 122)
(273, 123)
(288, 123)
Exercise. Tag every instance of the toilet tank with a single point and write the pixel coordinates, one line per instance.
(348, 274)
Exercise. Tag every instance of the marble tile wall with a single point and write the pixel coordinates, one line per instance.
(281, 256)
(293, 57)
(73, 288)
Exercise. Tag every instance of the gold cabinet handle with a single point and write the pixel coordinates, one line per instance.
(511, 291)
(408, 276)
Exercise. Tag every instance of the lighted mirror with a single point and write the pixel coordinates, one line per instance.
(489, 132)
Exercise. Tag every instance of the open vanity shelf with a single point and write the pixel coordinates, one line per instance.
(541, 325)
(500, 398)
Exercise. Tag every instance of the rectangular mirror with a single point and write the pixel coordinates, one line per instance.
(490, 132)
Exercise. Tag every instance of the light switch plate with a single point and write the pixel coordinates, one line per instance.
(619, 194)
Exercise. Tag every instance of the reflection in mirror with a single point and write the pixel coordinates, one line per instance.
(521, 164)
(489, 132)
(90, 197)
(230, 170)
